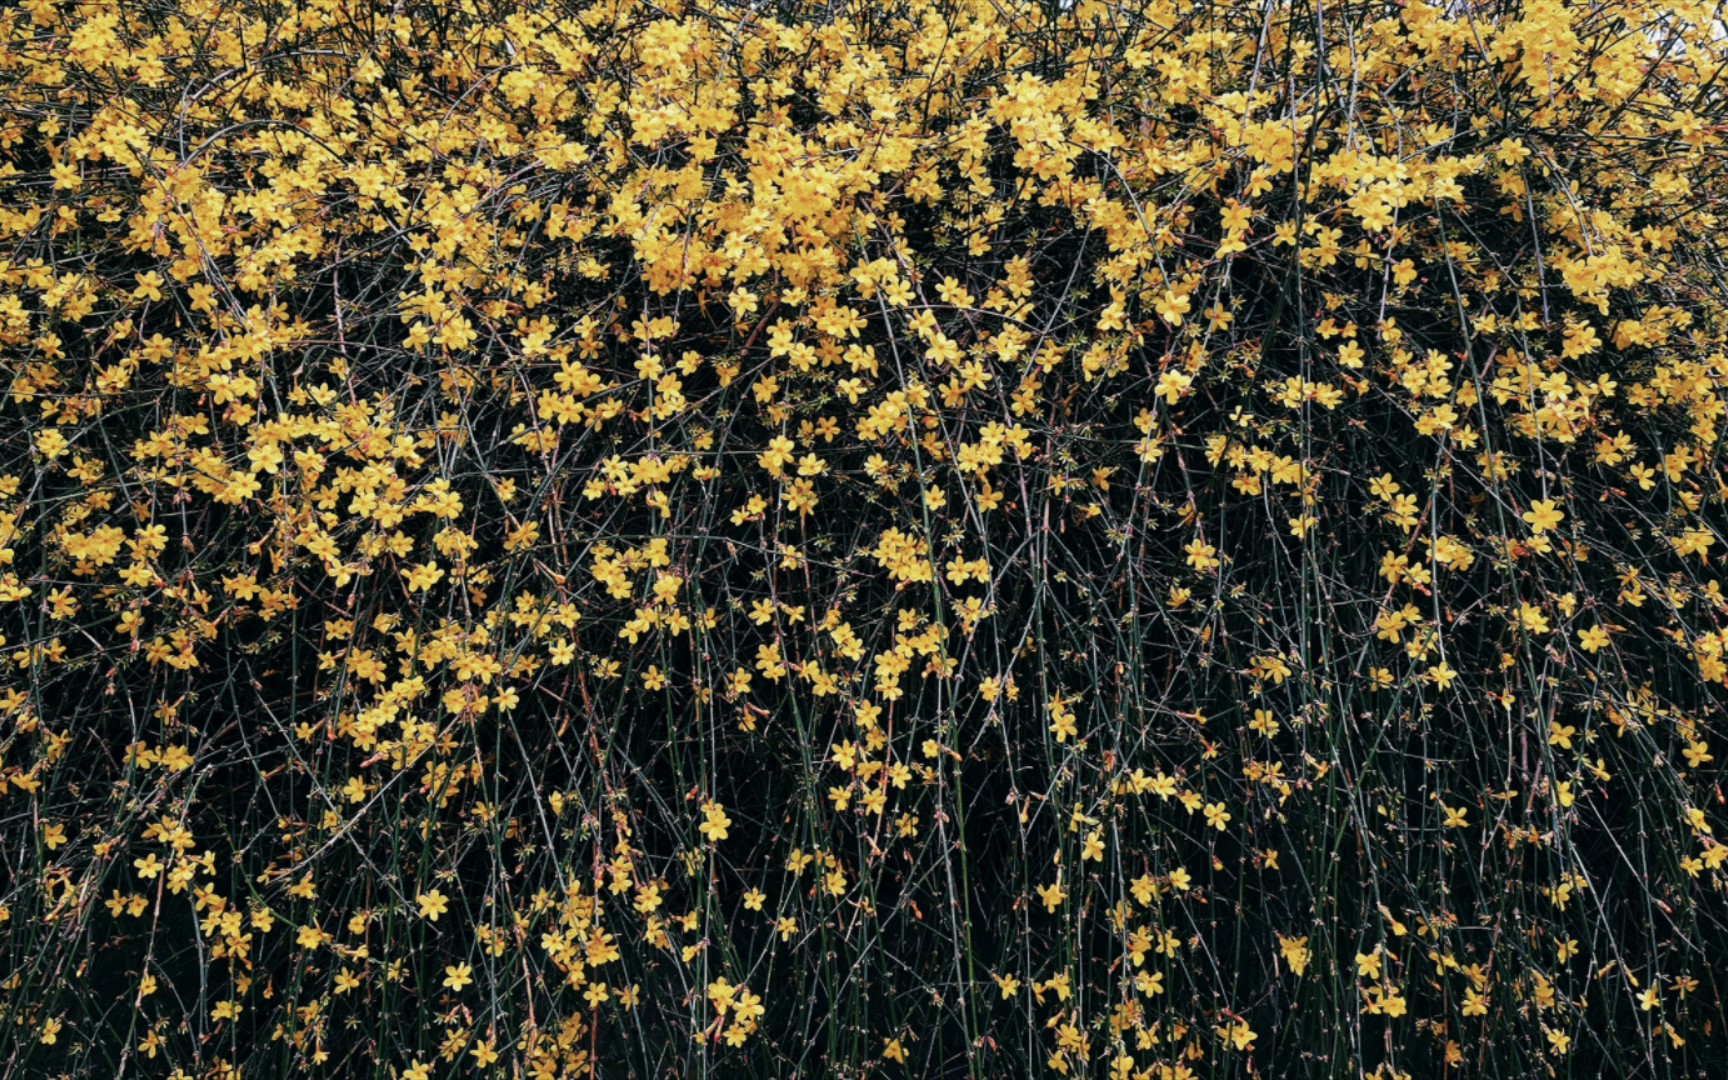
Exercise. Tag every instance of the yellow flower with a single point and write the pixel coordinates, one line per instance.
(1200, 555)
(1062, 722)
(1171, 306)
(432, 904)
(1595, 639)
(149, 286)
(1542, 516)
(422, 578)
(1532, 618)
(1241, 1036)
(716, 823)
(1368, 964)
(1173, 386)
(1093, 849)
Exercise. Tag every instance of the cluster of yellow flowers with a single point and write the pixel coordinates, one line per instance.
(958, 537)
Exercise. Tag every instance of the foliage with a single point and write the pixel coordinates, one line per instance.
(938, 537)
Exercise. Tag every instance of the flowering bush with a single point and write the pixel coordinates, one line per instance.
(944, 537)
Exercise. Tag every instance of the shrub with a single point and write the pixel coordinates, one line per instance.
(946, 538)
